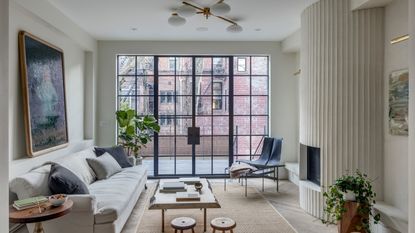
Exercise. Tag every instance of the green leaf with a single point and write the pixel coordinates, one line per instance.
(130, 130)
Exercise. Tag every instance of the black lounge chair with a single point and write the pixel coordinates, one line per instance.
(275, 158)
(265, 154)
(272, 165)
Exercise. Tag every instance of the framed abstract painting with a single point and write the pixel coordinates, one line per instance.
(44, 101)
(398, 102)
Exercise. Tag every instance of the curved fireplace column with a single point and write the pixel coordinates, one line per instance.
(341, 94)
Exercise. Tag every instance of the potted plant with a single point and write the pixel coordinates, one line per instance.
(134, 131)
(351, 191)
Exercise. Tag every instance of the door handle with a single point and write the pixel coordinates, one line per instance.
(193, 135)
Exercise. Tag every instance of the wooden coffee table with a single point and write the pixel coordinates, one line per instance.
(32, 215)
(165, 201)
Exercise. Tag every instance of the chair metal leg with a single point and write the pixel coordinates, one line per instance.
(224, 187)
(274, 175)
(246, 185)
(278, 179)
(263, 178)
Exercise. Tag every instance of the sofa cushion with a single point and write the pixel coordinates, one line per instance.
(113, 194)
(77, 164)
(62, 180)
(104, 166)
(32, 184)
(117, 152)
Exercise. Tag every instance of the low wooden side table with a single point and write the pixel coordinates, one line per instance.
(32, 215)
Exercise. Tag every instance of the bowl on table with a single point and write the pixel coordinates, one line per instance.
(198, 186)
(57, 199)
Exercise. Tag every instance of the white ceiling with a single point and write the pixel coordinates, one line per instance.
(114, 19)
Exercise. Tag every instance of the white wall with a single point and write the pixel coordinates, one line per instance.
(40, 18)
(396, 147)
(411, 162)
(4, 98)
(284, 87)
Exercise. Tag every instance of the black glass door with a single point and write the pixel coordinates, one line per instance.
(193, 111)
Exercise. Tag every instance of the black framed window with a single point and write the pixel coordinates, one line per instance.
(169, 87)
(251, 104)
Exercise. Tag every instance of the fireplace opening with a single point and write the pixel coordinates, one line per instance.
(310, 157)
(313, 164)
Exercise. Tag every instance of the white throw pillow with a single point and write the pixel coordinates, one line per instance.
(77, 164)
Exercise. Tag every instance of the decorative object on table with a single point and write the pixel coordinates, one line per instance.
(187, 196)
(48, 212)
(217, 10)
(223, 224)
(198, 186)
(57, 199)
(134, 132)
(172, 187)
(117, 152)
(43, 84)
(398, 102)
(351, 216)
(183, 223)
(29, 202)
(62, 180)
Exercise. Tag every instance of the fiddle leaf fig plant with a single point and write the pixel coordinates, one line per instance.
(358, 184)
(134, 132)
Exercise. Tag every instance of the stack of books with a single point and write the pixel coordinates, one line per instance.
(173, 187)
(190, 180)
(29, 202)
(187, 196)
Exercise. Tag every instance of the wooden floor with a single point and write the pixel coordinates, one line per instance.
(184, 166)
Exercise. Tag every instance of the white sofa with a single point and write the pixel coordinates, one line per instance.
(107, 207)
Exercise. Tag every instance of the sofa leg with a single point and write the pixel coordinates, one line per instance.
(145, 186)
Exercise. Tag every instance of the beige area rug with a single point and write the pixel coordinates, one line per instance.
(253, 214)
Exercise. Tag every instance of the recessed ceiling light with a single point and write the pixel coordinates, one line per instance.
(134, 29)
(258, 29)
(202, 29)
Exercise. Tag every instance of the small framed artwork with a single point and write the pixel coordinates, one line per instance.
(43, 89)
(398, 102)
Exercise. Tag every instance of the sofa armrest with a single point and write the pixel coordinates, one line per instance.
(83, 203)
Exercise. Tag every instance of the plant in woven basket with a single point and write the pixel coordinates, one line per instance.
(358, 184)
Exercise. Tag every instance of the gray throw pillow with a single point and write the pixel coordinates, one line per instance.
(104, 166)
(117, 152)
(63, 181)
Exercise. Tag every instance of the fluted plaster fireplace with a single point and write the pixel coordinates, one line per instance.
(341, 95)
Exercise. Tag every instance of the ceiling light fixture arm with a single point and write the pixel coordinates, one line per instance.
(206, 12)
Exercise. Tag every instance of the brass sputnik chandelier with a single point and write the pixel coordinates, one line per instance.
(189, 9)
